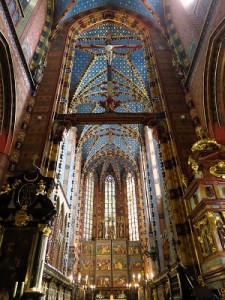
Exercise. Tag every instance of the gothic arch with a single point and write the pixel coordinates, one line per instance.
(214, 80)
(7, 103)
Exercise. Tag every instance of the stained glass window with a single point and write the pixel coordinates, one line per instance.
(88, 211)
(110, 207)
(132, 209)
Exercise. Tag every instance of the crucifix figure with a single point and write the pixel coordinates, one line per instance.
(109, 104)
(108, 48)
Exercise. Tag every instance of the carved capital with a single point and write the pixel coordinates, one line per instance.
(44, 229)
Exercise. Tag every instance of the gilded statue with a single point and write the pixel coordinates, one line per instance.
(194, 165)
(205, 237)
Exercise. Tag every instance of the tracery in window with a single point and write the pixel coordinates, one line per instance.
(132, 209)
(88, 211)
(110, 207)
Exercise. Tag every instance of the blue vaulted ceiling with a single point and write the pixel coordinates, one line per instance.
(109, 147)
(66, 9)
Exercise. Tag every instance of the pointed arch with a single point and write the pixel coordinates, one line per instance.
(214, 79)
(7, 103)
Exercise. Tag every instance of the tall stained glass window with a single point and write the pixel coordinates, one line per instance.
(132, 209)
(88, 211)
(110, 207)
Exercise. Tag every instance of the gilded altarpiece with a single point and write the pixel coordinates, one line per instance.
(87, 262)
(103, 263)
(134, 259)
(119, 263)
(109, 262)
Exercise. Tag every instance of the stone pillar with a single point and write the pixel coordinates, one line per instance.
(34, 286)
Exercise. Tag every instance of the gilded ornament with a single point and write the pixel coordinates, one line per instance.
(199, 130)
(201, 281)
(205, 144)
(205, 237)
(45, 229)
(210, 214)
(6, 189)
(218, 170)
(184, 180)
(16, 183)
(41, 188)
(21, 217)
(194, 165)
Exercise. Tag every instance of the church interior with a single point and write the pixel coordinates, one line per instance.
(112, 149)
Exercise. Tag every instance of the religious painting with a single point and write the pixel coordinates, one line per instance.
(119, 264)
(135, 264)
(14, 256)
(119, 248)
(88, 248)
(103, 280)
(104, 248)
(103, 264)
(86, 264)
(134, 248)
(119, 280)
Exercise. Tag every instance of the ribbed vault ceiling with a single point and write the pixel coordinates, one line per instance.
(110, 148)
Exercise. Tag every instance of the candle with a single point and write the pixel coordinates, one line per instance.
(15, 289)
(21, 289)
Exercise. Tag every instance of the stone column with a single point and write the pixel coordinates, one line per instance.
(34, 286)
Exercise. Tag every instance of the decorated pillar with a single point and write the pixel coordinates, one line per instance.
(34, 285)
(26, 212)
(205, 203)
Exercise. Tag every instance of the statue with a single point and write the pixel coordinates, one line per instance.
(221, 232)
(108, 48)
(100, 230)
(38, 73)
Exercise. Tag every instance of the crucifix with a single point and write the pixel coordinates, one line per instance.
(66, 121)
(109, 104)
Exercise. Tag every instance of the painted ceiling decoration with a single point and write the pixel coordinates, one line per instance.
(121, 84)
